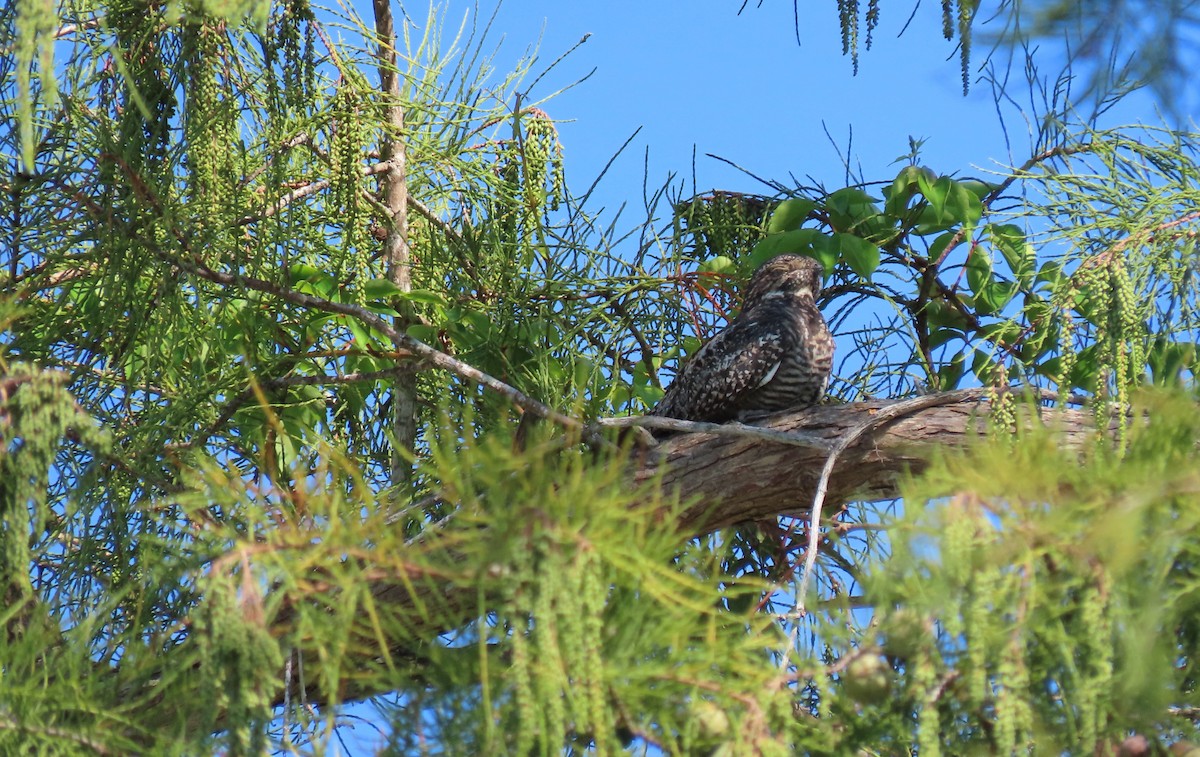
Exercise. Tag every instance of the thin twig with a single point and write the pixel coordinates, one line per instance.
(1003, 186)
(885, 414)
(647, 352)
(232, 406)
(734, 429)
(423, 210)
(302, 192)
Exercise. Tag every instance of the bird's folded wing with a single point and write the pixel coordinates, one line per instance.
(737, 361)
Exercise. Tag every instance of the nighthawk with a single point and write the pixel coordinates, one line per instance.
(775, 355)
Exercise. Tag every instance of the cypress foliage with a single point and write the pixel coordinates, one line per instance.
(202, 549)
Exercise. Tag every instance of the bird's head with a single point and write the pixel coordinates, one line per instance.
(785, 275)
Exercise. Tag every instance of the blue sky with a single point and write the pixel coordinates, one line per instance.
(699, 75)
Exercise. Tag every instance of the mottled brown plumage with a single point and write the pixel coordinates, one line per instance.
(775, 355)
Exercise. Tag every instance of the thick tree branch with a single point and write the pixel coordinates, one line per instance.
(738, 474)
(737, 479)
(730, 475)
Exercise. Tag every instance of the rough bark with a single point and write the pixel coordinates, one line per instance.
(735, 479)
(394, 184)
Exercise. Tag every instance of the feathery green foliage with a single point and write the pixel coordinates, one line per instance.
(204, 549)
(1053, 598)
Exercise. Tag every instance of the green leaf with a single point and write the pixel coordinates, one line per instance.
(930, 221)
(979, 270)
(1005, 332)
(938, 337)
(936, 191)
(1086, 371)
(382, 309)
(1170, 361)
(364, 336)
(1040, 316)
(995, 296)
(980, 189)
(1049, 368)
(903, 188)
(469, 328)
(950, 204)
(940, 244)
(719, 264)
(789, 214)
(963, 205)
(312, 280)
(324, 287)
(1051, 272)
(424, 333)
(362, 363)
(426, 297)
(991, 294)
(648, 394)
(951, 373)
(304, 271)
(849, 207)
(982, 365)
(1010, 240)
(939, 314)
(378, 289)
(859, 254)
(810, 242)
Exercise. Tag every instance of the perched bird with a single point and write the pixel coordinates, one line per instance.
(776, 355)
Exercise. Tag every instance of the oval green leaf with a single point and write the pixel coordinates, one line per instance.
(789, 214)
(861, 255)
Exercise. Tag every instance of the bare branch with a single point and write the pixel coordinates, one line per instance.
(740, 430)
(232, 406)
(396, 249)
(301, 192)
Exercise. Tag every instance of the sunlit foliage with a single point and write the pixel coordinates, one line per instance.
(205, 542)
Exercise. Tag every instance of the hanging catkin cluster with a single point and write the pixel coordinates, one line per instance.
(1003, 404)
(1105, 293)
(293, 37)
(543, 165)
(957, 16)
(959, 19)
(531, 181)
(557, 674)
(1123, 346)
(719, 224)
(990, 676)
(1094, 658)
(848, 17)
(1015, 606)
(234, 644)
(349, 131)
(209, 129)
(36, 412)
